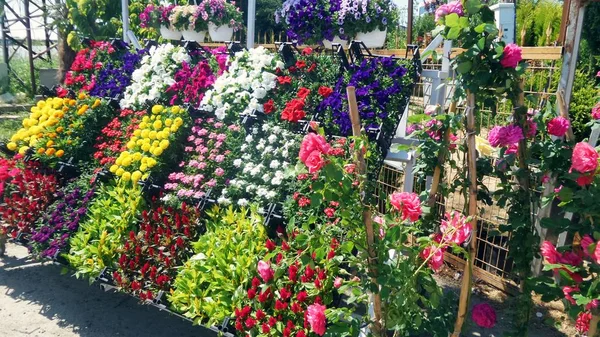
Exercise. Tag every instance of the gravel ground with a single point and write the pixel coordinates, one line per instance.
(36, 300)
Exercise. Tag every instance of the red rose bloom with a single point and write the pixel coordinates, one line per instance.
(325, 91)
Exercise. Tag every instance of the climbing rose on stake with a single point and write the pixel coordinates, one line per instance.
(455, 228)
(558, 126)
(435, 255)
(511, 56)
(311, 150)
(503, 136)
(585, 158)
(408, 204)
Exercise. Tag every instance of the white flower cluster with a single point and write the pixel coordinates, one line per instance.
(154, 76)
(264, 166)
(241, 88)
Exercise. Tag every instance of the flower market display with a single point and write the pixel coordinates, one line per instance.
(233, 188)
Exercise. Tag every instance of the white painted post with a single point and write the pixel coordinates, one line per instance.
(251, 23)
(505, 20)
(125, 18)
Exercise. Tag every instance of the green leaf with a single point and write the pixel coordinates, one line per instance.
(418, 118)
(463, 22)
(479, 29)
(464, 67)
(454, 33)
(451, 20)
(473, 6)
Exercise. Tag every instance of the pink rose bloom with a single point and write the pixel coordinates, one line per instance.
(211, 183)
(265, 271)
(314, 162)
(582, 324)
(337, 282)
(585, 179)
(596, 111)
(586, 241)
(221, 137)
(379, 220)
(430, 109)
(596, 254)
(449, 8)
(550, 253)
(455, 228)
(408, 204)
(545, 179)
(435, 255)
(567, 292)
(585, 158)
(412, 128)
(199, 195)
(502, 136)
(316, 318)
(220, 158)
(219, 172)
(484, 315)
(201, 166)
(558, 126)
(592, 305)
(571, 258)
(313, 142)
(512, 149)
(494, 136)
(511, 56)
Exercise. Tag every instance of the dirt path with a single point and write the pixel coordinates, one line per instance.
(36, 300)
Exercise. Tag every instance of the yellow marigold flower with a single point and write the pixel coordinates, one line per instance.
(152, 135)
(60, 129)
(60, 153)
(157, 109)
(119, 172)
(145, 176)
(50, 151)
(137, 132)
(176, 109)
(82, 95)
(114, 168)
(130, 145)
(41, 150)
(11, 146)
(174, 128)
(168, 122)
(146, 147)
(126, 176)
(164, 144)
(49, 143)
(143, 168)
(178, 121)
(143, 125)
(72, 102)
(119, 161)
(157, 151)
(83, 109)
(137, 156)
(157, 124)
(136, 176)
(23, 150)
(145, 133)
(96, 104)
(145, 119)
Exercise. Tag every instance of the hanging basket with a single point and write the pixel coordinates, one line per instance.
(170, 34)
(373, 39)
(192, 35)
(336, 39)
(220, 33)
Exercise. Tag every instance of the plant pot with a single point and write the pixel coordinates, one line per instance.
(170, 34)
(373, 39)
(220, 33)
(336, 39)
(192, 35)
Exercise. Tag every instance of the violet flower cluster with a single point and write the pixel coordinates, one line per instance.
(53, 235)
(380, 94)
(116, 76)
(308, 21)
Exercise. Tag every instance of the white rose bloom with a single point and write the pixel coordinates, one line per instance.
(272, 139)
(237, 162)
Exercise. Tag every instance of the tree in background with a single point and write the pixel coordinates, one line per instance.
(423, 25)
(591, 22)
(538, 22)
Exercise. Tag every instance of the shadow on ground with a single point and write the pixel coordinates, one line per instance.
(36, 300)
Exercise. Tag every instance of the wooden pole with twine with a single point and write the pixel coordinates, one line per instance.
(593, 331)
(465, 289)
(366, 213)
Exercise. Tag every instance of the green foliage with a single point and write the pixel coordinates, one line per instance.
(584, 97)
(538, 22)
(96, 19)
(591, 22)
(422, 25)
(110, 217)
(212, 283)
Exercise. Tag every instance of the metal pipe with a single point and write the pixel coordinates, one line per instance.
(251, 23)
(409, 23)
(29, 46)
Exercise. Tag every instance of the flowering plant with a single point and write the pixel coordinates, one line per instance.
(209, 160)
(222, 13)
(154, 16)
(86, 66)
(308, 21)
(155, 134)
(51, 235)
(111, 215)
(363, 16)
(25, 193)
(58, 127)
(114, 136)
(191, 82)
(115, 75)
(154, 76)
(206, 291)
(243, 87)
(189, 17)
(150, 256)
(265, 169)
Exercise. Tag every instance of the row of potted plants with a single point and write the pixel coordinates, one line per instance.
(219, 18)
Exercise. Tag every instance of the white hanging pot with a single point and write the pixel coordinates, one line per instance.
(373, 39)
(336, 39)
(192, 35)
(170, 34)
(220, 33)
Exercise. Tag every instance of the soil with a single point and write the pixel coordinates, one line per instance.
(37, 300)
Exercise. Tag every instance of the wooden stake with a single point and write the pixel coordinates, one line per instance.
(465, 290)
(367, 216)
(593, 331)
(560, 101)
